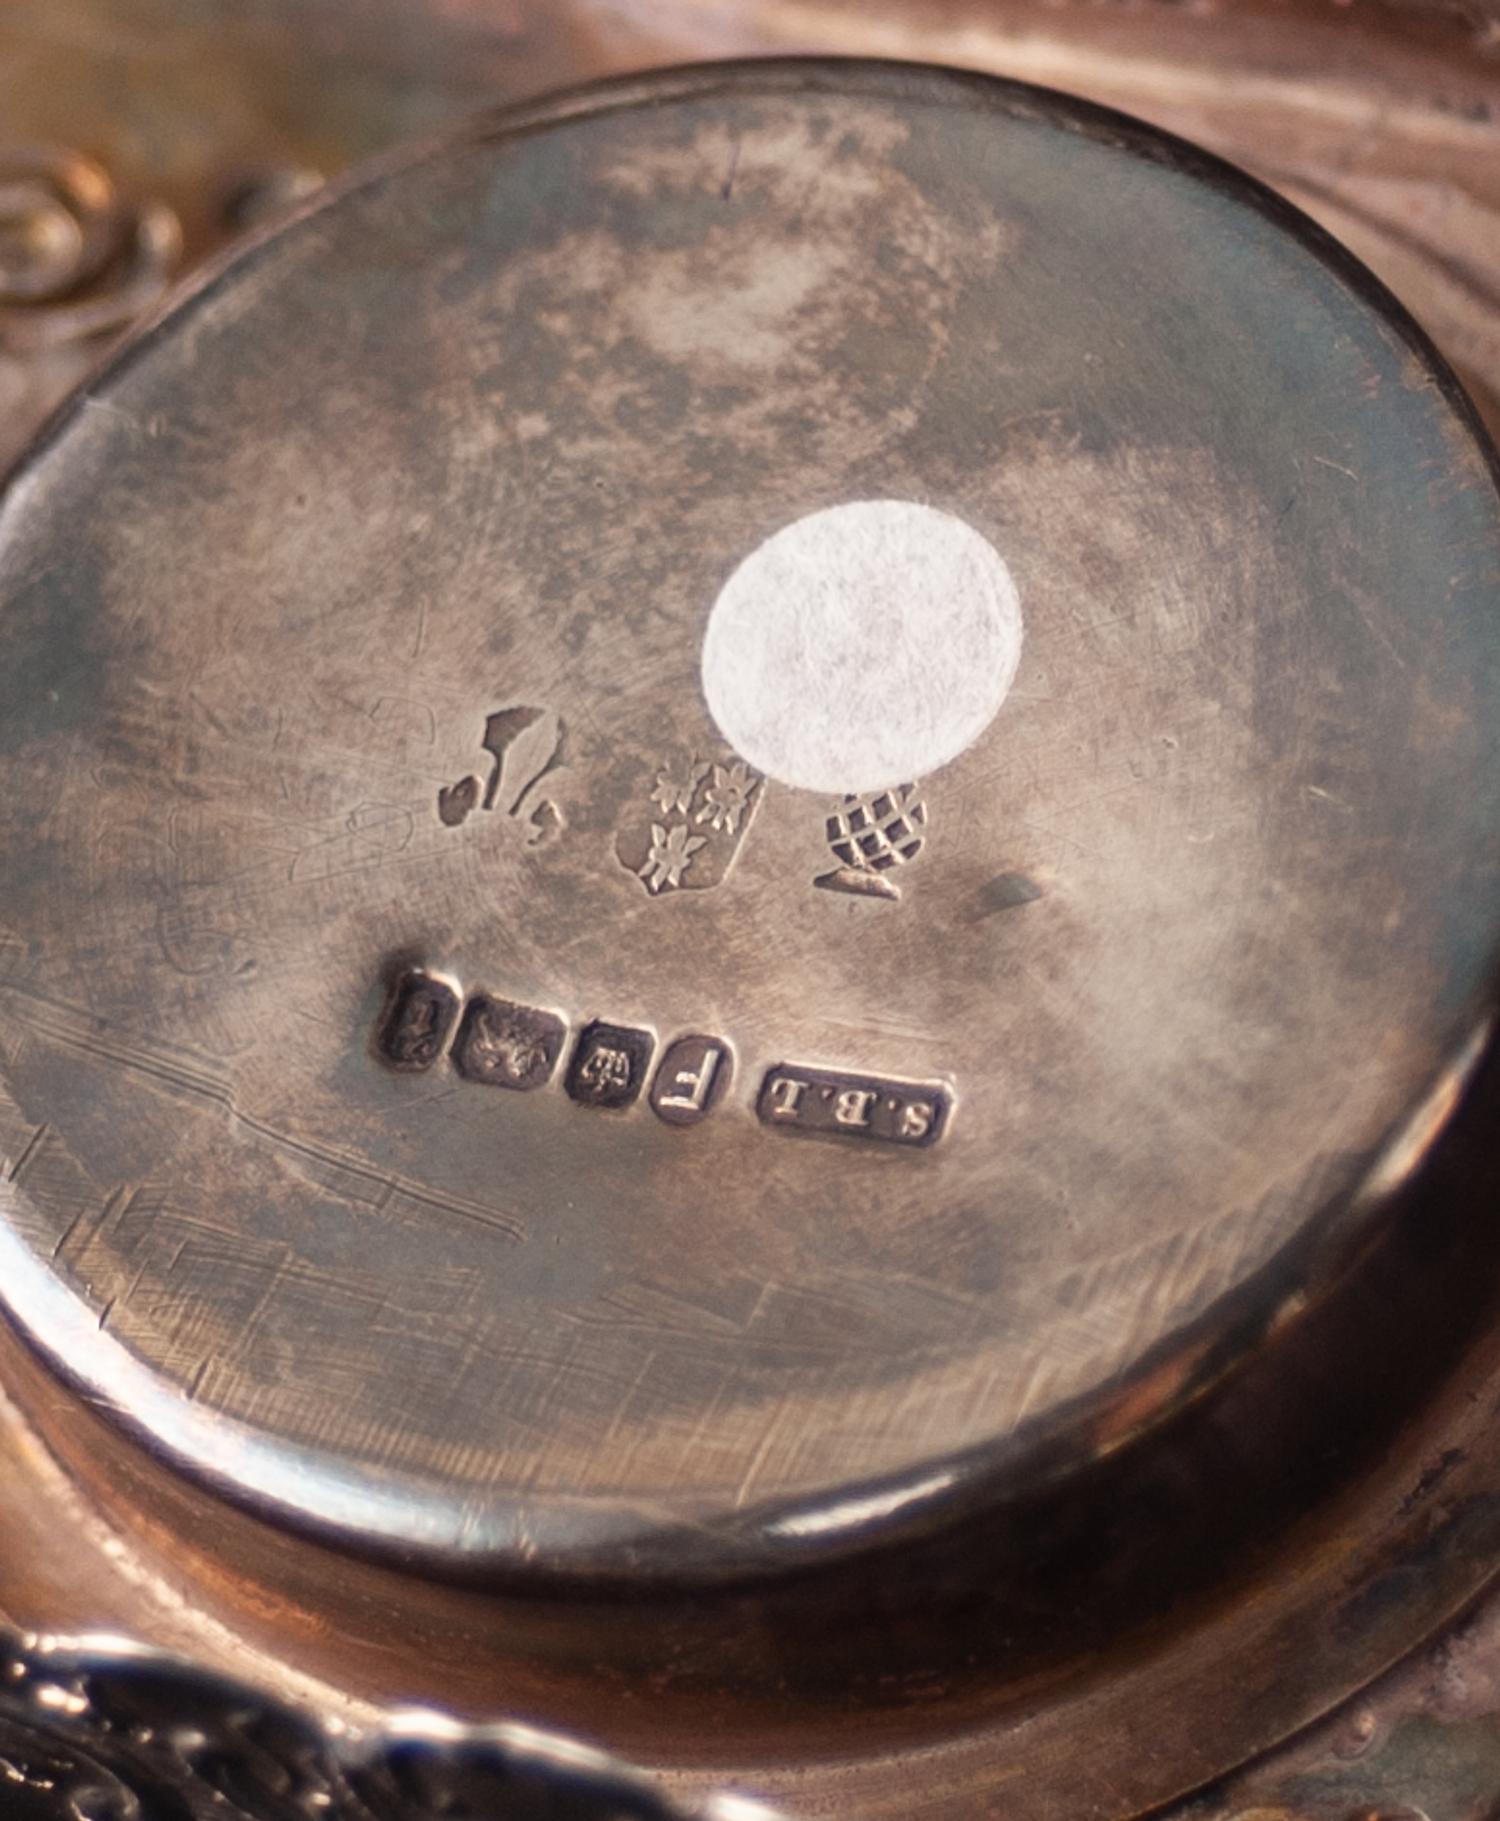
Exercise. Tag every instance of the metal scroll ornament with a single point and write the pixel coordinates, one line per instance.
(96, 1730)
(76, 259)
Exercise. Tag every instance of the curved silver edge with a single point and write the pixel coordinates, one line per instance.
(103, 1729)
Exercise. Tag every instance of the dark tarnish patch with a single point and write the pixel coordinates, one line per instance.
(57, 658)
(1471, 1529)
(1431, 1477)
(1006, 891)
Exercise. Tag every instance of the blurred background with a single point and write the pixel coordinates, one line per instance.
(137, 137)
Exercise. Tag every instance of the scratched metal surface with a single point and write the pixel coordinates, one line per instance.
(1192, 934)
(234, 701)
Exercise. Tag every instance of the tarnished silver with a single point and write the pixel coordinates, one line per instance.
(1383, 1346)
(103, 1729)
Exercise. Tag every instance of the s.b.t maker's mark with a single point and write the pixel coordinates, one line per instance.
(798, 1099)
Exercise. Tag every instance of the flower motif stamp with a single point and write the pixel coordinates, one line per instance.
(672, 851)
(696, 815)
(675, 785)
(727, 798)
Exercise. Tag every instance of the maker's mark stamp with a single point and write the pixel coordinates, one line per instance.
(797, 1099)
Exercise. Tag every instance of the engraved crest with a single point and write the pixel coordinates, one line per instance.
(694, 819)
